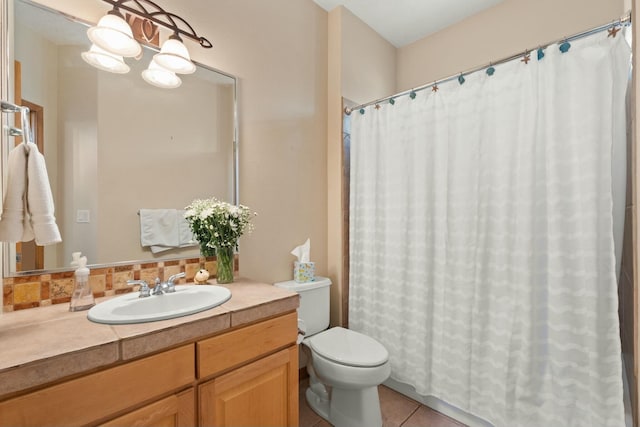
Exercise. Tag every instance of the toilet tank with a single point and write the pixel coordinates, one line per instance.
(314, 303)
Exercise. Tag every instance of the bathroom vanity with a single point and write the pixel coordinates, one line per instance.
(236, 364)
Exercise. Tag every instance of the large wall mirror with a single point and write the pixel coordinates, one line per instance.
(114, 144)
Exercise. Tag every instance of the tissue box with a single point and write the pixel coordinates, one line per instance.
(304, 271)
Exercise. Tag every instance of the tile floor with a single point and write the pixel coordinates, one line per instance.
(397, 411)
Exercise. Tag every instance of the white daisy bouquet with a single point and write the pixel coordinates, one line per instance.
(217, 225)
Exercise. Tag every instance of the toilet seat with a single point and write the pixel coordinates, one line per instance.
(348, 347)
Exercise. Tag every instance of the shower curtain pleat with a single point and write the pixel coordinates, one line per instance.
(481, 245)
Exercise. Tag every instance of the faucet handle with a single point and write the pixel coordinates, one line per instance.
(158, 287)
(144, 287)
(173, 277)
(171, 287)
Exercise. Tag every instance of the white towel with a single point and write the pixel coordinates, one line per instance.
(14, 220)
(164, 229)
(28, 209)
(40, 200)
(186, 235)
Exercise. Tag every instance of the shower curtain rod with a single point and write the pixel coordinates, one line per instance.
(624, 20)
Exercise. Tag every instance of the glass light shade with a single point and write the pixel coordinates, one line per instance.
(174, 56)
(160, 76)
(114, 35)
(104, 60)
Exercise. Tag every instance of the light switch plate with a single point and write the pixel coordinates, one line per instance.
(83, 215)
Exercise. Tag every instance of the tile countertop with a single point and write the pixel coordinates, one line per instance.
(45, 344)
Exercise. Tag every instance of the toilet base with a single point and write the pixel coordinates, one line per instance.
(348, 408)
(319, 405)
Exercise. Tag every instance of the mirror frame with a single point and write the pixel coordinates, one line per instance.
(6, 37)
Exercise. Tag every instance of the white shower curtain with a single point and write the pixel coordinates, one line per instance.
(481, 245)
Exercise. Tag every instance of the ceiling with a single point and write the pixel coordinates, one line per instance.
(402, 22)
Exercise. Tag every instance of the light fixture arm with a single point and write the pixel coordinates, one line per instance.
(161, 17)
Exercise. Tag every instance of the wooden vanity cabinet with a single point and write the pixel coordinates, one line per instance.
(245, 377)
(263, 392)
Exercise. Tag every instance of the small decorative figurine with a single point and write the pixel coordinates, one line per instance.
(201, 277)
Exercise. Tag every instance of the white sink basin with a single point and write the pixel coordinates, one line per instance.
(187, 299)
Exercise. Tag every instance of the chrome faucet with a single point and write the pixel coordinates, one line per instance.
(167, 287)
(144, 287)
(159, 287)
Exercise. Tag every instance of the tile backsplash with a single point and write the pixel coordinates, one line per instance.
(30, 291)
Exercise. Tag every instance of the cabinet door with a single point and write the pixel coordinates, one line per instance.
(262, 393)
(173, 411)
(98, 396)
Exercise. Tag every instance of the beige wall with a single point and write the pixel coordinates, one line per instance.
(361, 67)
(44, 72)
(78, 141)
(278, 51)
(499, 32)
(168, 145)
(367, 61)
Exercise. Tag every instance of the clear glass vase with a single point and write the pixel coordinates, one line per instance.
(225, 264)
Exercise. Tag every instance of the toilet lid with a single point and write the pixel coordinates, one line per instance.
(348, 347)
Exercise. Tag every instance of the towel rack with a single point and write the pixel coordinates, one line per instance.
(8, 107)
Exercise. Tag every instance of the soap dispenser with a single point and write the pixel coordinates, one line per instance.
(82, 297)
(75, 259)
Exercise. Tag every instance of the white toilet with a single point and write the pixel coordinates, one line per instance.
(351, 364)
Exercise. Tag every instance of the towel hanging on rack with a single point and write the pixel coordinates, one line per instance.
(164, 229)
(28, 209)
(14, 225)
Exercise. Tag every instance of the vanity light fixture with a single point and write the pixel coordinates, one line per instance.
(113, 39)
(160, 76)
(104, 60)
(174, 56)
(114, 35)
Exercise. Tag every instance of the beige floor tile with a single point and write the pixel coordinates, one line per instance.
(396, 408)
(397, 411)
(427, 417)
